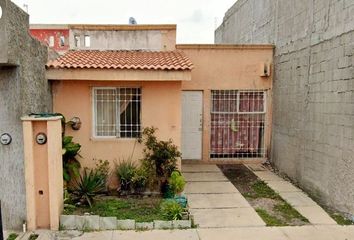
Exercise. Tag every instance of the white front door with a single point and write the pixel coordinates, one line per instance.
(192, 124)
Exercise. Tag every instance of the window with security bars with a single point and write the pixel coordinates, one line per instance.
(117, 112)
(238, 124)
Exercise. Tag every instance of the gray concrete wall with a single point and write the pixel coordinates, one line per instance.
(313, 94)
(23, 89)
(153, 40)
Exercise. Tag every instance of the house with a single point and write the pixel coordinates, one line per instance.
(213, 101)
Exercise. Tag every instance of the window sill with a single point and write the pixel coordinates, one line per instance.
(112, 139)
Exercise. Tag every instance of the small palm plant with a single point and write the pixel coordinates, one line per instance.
(88, 185)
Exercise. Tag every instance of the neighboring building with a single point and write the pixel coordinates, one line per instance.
(23, 89)
(56, 37)
(313, 130)
(62, 38)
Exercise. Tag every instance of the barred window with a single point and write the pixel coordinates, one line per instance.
(238, 121)
(117, 112)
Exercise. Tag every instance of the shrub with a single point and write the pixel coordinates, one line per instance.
(139, 179)
(160, 157)
(71, 165)
(125, 171)
(176, 182)
(102, 168)
(89, 184)
(171, 210)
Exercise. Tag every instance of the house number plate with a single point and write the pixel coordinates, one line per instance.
(5, 139)
(41, 138)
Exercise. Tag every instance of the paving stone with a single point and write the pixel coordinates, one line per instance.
(256, 167)
(210, 187)
(102, 235)
(144, 225)
(199, 168)
(306, 233)
(108, 223)
(316, 215)
(162, 224)
(223, 218)
(246, 233)
(181, 224)
(228, 200)
(268, 176)
(298, 199)
(68, 222)
(283, 186)
(92, 222)
(205, 177)
(126, 224)
(188, 234)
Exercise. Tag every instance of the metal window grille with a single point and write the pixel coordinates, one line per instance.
(117, 112)
(237, 124)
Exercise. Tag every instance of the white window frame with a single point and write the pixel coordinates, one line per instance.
(94, 115)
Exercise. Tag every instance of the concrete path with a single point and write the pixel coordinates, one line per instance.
(213, 200)
(318, 232)
(294, 196)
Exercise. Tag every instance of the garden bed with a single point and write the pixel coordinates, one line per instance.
(124, 213)
(274, 210)
(139, 209)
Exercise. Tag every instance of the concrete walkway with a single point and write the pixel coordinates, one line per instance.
(214, 202)
(318, 232)
(294, 196)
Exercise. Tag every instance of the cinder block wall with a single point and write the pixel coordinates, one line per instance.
(23, 89)
(313, 94)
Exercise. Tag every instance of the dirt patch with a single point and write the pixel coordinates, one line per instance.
(274, 210)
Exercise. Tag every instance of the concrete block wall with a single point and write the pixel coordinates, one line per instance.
(313, 94)
(23, 89)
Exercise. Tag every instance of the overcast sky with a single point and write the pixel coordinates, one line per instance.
(196, 19)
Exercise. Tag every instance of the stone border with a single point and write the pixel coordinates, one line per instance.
(97, 223)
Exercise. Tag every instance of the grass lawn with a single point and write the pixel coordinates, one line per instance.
(139, 209)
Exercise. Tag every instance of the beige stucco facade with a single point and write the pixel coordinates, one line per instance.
(160, 107)
(229, 67)
(222, 67)
(43, 172)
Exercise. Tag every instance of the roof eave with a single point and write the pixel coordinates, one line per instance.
(118, 75)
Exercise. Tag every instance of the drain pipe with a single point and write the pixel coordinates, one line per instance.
(1, 228)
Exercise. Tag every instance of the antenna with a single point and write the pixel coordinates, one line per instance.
(132, 21)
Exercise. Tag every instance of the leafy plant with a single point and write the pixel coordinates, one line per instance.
(160, 157)
(71, 165)
(12, 236)
(125, 171)
(139, 179)
(176, 182)
(102, 168)
(89, 184)
(172, 210)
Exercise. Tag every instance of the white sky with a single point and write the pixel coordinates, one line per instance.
(196, 19)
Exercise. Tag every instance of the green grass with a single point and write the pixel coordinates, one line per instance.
(341, 220)
(12, 236)
(269, 219)
(141, 210)
(33, 237)
(288, 212)
(262, 190)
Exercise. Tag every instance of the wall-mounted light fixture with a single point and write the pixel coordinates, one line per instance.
(75, 123)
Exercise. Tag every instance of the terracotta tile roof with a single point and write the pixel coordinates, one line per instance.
(143, 60)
